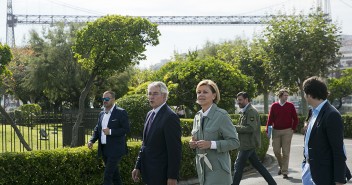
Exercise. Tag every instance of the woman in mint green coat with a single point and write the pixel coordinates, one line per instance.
(213, 136)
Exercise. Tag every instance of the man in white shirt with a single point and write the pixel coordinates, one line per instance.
(110, 131)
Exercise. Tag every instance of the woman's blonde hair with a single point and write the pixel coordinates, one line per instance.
(214, 89)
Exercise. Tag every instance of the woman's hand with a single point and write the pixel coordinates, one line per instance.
(193, 143)
(201, 144)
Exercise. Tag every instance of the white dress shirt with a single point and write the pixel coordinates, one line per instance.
(104, 124)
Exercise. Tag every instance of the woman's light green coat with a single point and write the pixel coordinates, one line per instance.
(217, 127)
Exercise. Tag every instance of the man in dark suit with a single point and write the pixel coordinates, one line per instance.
(325, 158)
(110, 131)
(160, 155)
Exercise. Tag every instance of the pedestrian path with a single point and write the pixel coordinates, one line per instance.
(252, 177)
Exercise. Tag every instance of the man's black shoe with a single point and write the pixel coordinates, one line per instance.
(285, 176)
(279, 173)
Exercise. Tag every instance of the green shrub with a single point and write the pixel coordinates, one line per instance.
(137, 107)
(347, 120)
(60, 166)
(81, 165)
(27, 114)
(186, 127)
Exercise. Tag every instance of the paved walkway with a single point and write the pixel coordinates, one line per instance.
(252, 177)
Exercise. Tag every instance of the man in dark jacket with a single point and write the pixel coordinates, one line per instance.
(111, 131)
(324, 153)
(159, 158)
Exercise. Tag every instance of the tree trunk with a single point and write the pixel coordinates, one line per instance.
(266, 102)
(81, 108)
(304, 106)
(14, 126)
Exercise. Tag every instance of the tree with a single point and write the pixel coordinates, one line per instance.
(61, 77)
(19, 68)
(250, 57)
(256, 63)
(140, 76)
(117, 82)
(340, 87)
(110, 44)
(183, 77)
(45, 71)
(5, 58)
(302, 46)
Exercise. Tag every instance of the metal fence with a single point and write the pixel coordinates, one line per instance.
(45, 131)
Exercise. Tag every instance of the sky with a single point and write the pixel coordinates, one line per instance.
(173, 38)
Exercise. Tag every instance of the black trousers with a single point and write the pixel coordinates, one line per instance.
(111, 172)
(240, 163)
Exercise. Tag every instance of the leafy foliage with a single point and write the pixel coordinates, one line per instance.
(251, 58)
(19, 66)
(137, 107)
(183, 77)
(117, 82)
(340, 87)
(110, 44)
(114, 42)
(45, 71)
(29, 112)
(300, 47)
(5, 58)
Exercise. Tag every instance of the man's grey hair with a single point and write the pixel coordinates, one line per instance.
(163, 88)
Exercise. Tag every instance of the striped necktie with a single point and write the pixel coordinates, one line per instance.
(150, 121)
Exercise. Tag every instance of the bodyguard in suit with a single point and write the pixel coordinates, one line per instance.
(324, 156)
(110, 131)
(160, 155)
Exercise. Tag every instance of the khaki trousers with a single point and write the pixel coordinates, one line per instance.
(281, 147)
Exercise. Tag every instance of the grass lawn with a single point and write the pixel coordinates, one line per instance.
(10, 142)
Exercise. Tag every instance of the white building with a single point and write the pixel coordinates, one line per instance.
(346, 51)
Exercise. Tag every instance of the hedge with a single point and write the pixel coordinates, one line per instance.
(81, 165)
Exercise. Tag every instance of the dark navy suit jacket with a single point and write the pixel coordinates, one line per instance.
(160, 155)
(116, 142)
(325, 147)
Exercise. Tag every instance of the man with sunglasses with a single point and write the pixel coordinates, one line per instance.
(110, 131)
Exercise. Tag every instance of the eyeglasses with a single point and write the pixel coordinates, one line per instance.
(154, 94)
(105, 99)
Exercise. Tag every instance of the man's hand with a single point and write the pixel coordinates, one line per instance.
(135, 175)
(106, 131)
(90, 145)
(171, 182)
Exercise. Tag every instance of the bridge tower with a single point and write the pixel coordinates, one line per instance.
(324, 5)
(10, 25)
